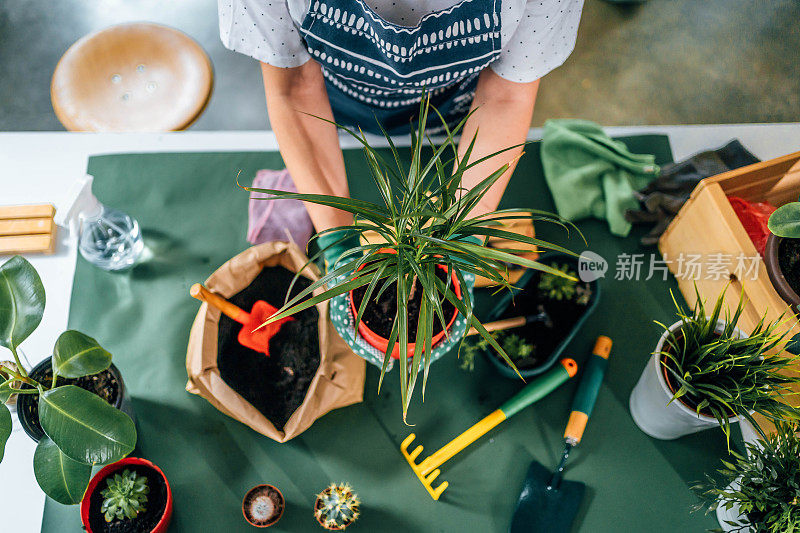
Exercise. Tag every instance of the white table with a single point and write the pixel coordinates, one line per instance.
(41, 167)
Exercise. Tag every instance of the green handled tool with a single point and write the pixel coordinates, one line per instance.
(428, 469)
(547, 502)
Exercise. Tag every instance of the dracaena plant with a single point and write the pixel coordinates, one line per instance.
(764, 484)
(424, 220)
(720, 373)
(80, 428)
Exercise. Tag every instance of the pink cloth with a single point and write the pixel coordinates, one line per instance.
(278, 220)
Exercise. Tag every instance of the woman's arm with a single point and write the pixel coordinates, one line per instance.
(309, 146)
(501, 118)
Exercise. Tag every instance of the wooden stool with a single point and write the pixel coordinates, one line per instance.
(132, 77)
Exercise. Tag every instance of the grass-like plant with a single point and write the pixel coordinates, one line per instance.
(125, 496)
(424, 219)
(722, 375)
(764, 484)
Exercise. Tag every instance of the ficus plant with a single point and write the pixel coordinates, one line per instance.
(81, 429)
(722, 374)
(764, 484)
(785, 221)
(424, 220)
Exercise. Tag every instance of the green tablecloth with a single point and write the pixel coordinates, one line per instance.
(194, 218)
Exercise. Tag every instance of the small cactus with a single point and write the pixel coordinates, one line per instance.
(124, 496)
(337, 507)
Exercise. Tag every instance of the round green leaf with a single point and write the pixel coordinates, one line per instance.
(84, 427)
(21, 301)
(60, 477)
(77, 355)
(785, 221)
(5, 428)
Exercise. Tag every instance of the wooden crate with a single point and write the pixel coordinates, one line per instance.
(707, 225)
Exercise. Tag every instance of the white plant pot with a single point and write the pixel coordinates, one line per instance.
(731, 515)
(650, 400)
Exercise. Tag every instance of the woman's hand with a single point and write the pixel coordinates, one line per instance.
(309, 146)
(501, 118)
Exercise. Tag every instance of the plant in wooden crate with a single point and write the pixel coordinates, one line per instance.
(782, 252)
(78, 427)
(758, 491)
(706, 372)
(405, 292)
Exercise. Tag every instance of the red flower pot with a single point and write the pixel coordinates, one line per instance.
(108, 470)
(382, 344)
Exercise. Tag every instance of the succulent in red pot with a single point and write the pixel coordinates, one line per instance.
(129, 496)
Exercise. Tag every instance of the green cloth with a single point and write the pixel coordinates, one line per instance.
(194, 218)
(592, 175)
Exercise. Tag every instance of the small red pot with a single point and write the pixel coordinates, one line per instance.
(382, 344)
(108, 470)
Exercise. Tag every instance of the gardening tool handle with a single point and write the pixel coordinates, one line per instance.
(215, 300)
(536, 390)
(506, 323)
(588, 388)
(540, 387)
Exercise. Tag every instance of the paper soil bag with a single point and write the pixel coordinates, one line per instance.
(339, 381)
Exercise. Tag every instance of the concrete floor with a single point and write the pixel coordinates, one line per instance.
(662, 62)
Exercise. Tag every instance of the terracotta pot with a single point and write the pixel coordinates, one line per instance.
(263, 491)
(382, 344)
(108, 470)
(776, 276)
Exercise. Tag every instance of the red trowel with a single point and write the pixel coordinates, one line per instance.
(250, 336)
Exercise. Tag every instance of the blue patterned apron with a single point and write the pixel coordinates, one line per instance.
(374, 69)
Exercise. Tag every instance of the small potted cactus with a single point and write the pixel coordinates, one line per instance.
(263, 506)
(337, 507)
(129, 496)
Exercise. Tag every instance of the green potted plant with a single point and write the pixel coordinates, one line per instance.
(433, 245)
(555, 307)
(59, 404)
(337, 507)
(130, 496)
(706, 372)
(758, 491)
(782, 252)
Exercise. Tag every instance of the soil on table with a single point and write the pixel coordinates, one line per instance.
(275, 385)
(379, 315)
(789, 262)
(104, 384)
(145, 521)
(545, 337)
(263, 506)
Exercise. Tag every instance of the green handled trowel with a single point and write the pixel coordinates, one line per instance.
(547, 502)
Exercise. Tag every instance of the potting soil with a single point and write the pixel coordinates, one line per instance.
(275, 385)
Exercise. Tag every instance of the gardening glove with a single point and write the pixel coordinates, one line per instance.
(337, 248)
(661, 200)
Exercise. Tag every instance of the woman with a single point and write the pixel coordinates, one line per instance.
(354, 60)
